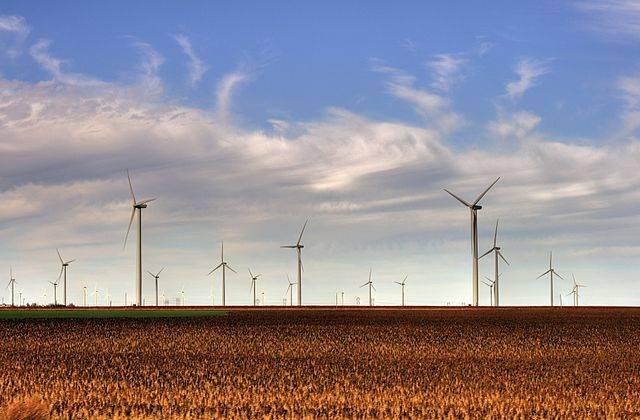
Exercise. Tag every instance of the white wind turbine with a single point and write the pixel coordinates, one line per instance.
(473, 208)
(224, 266)
(575, 291)
(298, 247)
(95, 293)
(12, 283)
(290, 290)
(55, 292)
(491, 284)
(370, 283)
(84, 296)
(63, 273)
(402, 284)
(496, 250)
(156, 277)
(137, 206)
(551, 271)
(253, 285)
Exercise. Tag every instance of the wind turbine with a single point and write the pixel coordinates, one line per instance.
(576, 291)
(182, 298)
(156, 277)
(290, 290)
(473, 209)
(370, 283)
(298, 247)
(137, 206)
(491, 284)
(253, 285)
(551, 271)
(55, 293)
(402, 284)
(63, 273)
(496, 250)
(224, 266)
(84, 296)
(12, 283)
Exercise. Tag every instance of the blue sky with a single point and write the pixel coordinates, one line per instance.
(247, 118)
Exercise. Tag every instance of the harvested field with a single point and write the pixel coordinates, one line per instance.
(507, 362)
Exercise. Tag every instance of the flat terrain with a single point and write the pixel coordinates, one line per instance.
(442, 362)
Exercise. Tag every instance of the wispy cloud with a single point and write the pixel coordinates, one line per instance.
(53, 65)
(613, 17)
(629, 89)
(197, 68)
(528, 71)
(150, 62)
(433, 107)
(518, 125)
(446, 70)
(225, 89)
(17, 26)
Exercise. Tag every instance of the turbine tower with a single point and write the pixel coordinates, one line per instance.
(491, 284)
(84, 296)
(370, 283)
(402, 284)
(473, 209)
(551, 271)
(156, 277)
(298, 247)
(253, 285)
(137, 206)
(496, 250)
(63, 273)
(224, 266)
(576, 291)
(55, 292)
(290, 291)
(12, 283)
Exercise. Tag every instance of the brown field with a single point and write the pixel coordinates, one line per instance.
(384, 363)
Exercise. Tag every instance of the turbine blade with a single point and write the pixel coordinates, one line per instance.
(369, 275)
(229, 267)
(488, 284)
(503, 258)
(543, 274)
(495, 234)
(554, 272)
(59, 256)
(373, 287)
(458, 198)
(288, 246)
(364, 284)
(133, 196)
(70, 261)
(405, 278)
(302, 231)
(162, 269)
(60, 275)
(485, 191)
(147, 201)
(486, 253)
(218, 266)
(133, 213)
(250, 273)
(150, 273)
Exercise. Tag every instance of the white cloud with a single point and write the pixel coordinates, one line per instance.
(225, 90)
(197, 68)
(150, 62)
(528, 71)
(629, 89)
(613, 17)
(40, 53)
(17, 27)
(518, 124)
(446, 70)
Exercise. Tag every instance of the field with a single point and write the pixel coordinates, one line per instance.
(382, 363)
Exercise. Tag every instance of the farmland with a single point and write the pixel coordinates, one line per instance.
(446, 362)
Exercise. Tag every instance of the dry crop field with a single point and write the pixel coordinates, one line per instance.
(384, 363)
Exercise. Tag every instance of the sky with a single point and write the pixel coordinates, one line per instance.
(245, 119)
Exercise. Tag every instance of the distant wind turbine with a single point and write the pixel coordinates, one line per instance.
(12, 283)
(496, 250)
(84, 296)
(551, 271)
(491, 284)
(370, 283)
(224, 266)
(137, 206)
(298, 247)
(253, 285)
(473, 208)
(63, 273)
(156, 277)
(290, 291)
(402, 284)
(576, 291)
(55, 292)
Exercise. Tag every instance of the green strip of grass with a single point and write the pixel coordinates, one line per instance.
(105, 313)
